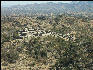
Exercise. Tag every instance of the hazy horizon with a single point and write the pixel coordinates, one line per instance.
(11, 3)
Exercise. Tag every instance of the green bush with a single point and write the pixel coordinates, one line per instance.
(9, 54)
(43, 53)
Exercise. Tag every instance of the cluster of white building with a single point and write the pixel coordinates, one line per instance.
(29, 32)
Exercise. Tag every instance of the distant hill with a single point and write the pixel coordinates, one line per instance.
(47, 8)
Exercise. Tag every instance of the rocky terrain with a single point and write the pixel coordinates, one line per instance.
(47, 41)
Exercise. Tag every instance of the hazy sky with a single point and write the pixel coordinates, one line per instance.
(10, 3)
